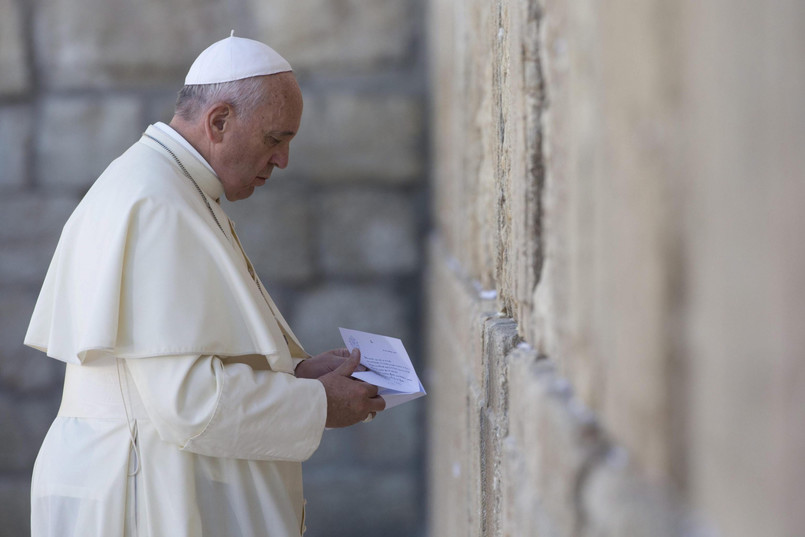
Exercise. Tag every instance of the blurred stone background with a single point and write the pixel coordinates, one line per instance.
(79, 82)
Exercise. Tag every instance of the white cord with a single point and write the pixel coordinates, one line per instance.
(132, 431)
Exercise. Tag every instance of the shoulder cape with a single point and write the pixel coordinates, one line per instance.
(142, 269)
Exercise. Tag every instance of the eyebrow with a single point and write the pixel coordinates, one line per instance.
(278, 133)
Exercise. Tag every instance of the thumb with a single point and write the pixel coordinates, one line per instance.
(349, 365)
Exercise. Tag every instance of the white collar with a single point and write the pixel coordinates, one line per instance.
(210, 184)
(167, 129)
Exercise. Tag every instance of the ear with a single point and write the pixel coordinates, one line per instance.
(216, 121)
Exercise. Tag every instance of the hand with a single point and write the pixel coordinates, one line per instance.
(349, 400)
(324, 363)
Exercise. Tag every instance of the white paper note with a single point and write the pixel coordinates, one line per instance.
(389, 366)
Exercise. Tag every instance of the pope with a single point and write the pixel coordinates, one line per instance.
(188, 402)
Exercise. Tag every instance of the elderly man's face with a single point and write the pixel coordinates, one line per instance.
(258, 143)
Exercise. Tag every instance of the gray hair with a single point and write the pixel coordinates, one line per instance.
(243, 95)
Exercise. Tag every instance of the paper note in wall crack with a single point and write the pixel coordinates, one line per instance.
(388, 364)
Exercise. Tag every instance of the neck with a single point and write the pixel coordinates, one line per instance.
(193, 134)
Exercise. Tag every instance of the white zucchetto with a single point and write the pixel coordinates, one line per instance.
(235, 58)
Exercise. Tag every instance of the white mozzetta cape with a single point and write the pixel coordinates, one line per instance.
(154, 310)
(142, 269)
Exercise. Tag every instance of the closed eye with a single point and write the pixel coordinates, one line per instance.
(274, 138)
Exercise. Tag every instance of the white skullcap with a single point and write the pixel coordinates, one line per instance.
(235, 58)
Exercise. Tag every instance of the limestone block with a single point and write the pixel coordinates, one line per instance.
(455, 318)
(519, 160)
(617, 502)
(444, 89)
(23, 368)
(347, 137)
(366, 233)
(349, 35)
(23, 425)
(15, 505)
(635, 259)
(562, 311)
(483, 137)
(745, 266)
(13, 54)
(500, 336)
(124, 44)
(337, 498)
(553, 441)
(368, 307)
(465, 126)
(274, 226)
(28, 242)
(80, 136)
(16, 134)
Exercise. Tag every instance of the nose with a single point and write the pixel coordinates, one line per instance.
(280, 158)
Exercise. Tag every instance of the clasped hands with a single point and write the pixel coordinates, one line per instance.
(349, 400)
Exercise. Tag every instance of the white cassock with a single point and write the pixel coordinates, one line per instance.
(164, 430)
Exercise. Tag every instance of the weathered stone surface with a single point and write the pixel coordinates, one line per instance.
(154, 43)
(519, 166)
(274, 226)
(366, 233)
(744, 264)
(337, 498)
(347, 137)
(13, 54)
(616, 502)
(464, 126)
(22, 368)
(16, 135)
(552, 442)
(368, 307)
(80, 136)
(499, 337)
(457, 380)
(30, 225)
(348, 35)
(15, 506)
(670, 289)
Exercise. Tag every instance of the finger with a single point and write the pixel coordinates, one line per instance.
(377, 403)
(370, 390)
(348, 366)
(342, 352)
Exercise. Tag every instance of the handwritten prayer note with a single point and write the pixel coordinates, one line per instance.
(388, 364)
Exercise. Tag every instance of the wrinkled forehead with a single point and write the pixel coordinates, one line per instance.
(283, 88)
(281, 111)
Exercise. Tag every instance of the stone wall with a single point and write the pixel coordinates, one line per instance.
(616, 279)
(81, 79)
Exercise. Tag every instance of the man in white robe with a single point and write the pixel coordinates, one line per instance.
(188, 403)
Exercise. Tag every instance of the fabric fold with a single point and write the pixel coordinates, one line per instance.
(158, 278)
